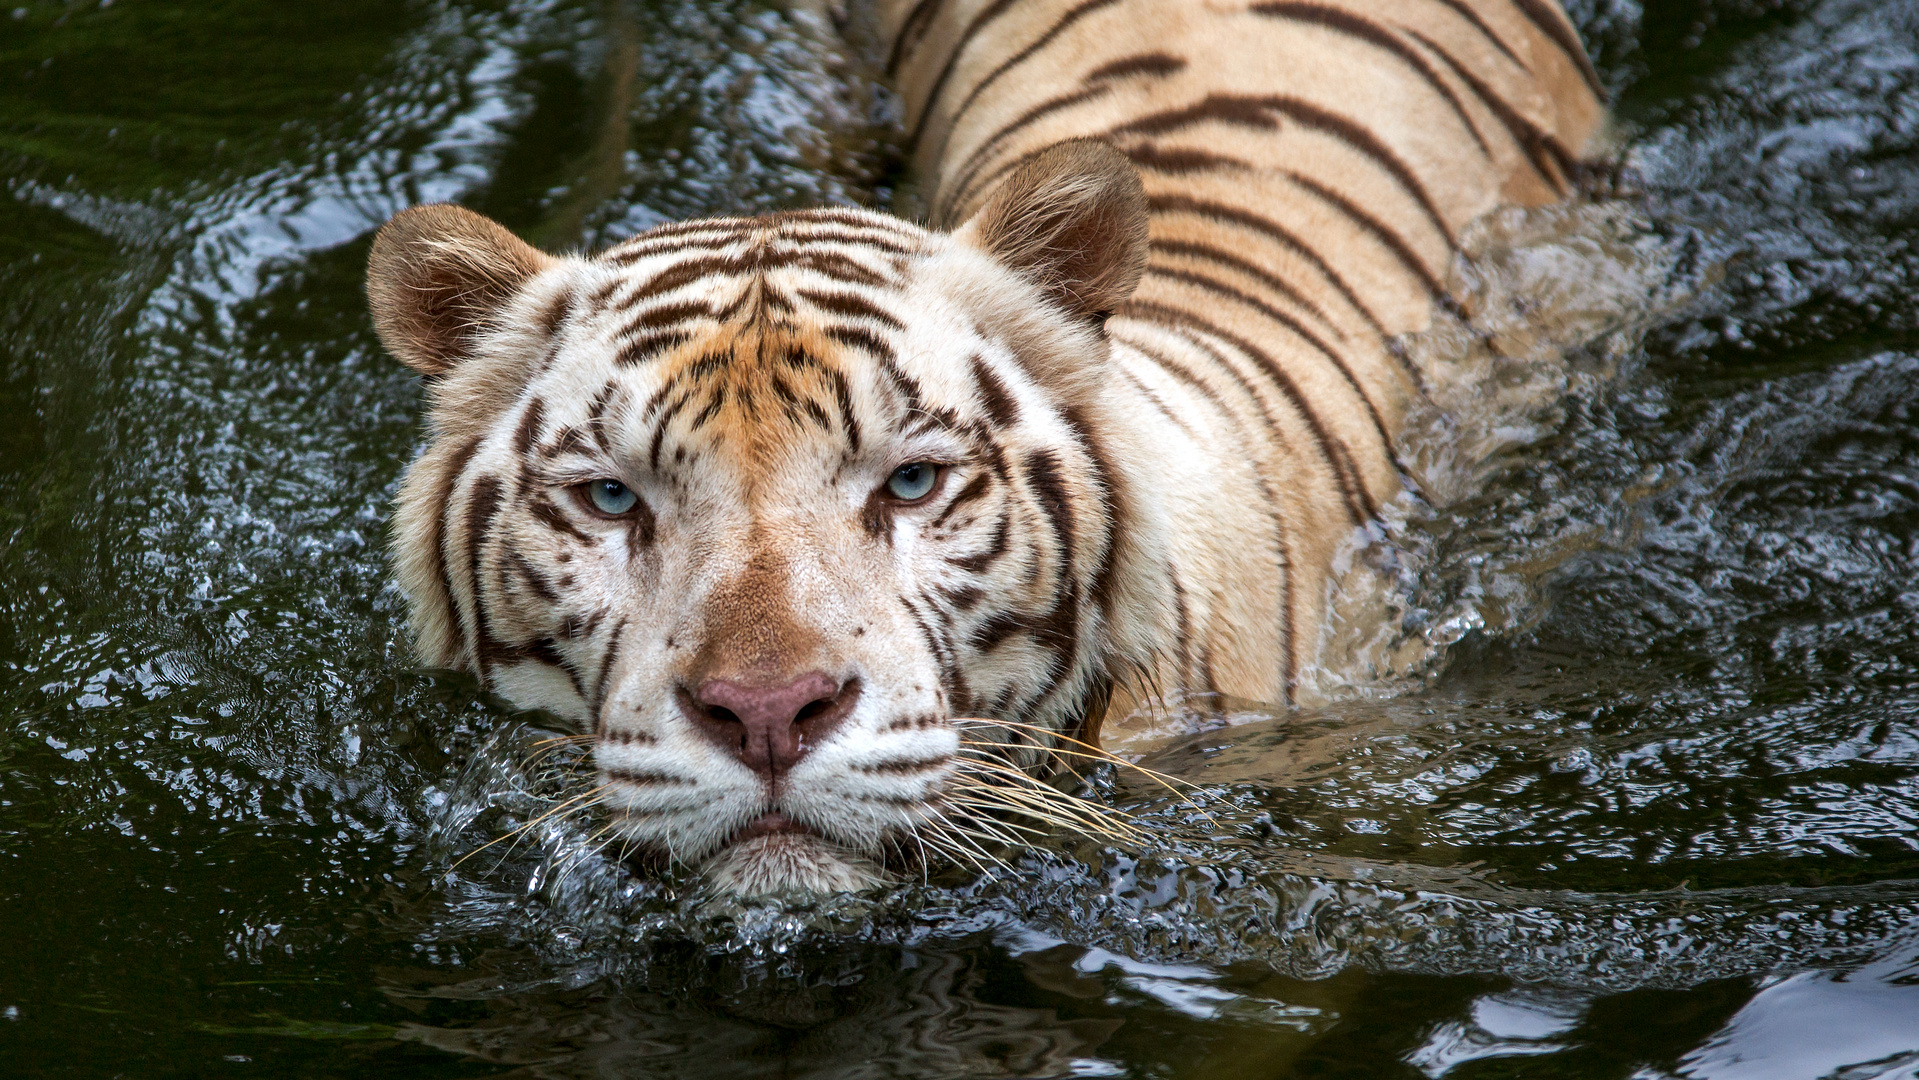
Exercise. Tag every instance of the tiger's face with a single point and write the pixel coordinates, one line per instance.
(783, 510)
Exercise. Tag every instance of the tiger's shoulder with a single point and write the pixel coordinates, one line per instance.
(1309, 169)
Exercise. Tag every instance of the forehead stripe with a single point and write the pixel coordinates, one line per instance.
(852, 305)
(651, 346)
(529, 428)
(843, 397)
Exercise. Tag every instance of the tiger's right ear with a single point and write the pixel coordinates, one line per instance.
(1073, 220)
(438, 275)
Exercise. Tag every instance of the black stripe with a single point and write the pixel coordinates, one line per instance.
(569, 440)
(1381, 231)
(1180, 372)
(852, 305)
(953, 194)
(912, 29)
(634, 251)
(1057, 631)
(1042, 475)
(1183, 629)
(993, 394)
(1247, 111)
(437, 537)
(1345, 130)
(598, 298)
(1359, 502)
(890, 242)
(1345, 22)
(574, 627)
(667, 314)
(541, 587)
(1065, 22)
(816, 412)
(974, 488)
(1156, 65)
(833, 215)
(1158, 403)
(556, 312)
(1472, 16)
(861, 338)
(597, 703)
(1545, 153)
(1107, 483)
(482, 509)
(1208, 253)
(711, 410)
(1233, 110)
(547, 651)
(904, 385)
(676, 228)
(1220, 288)
(1554, 25)
(843, 397)
(684, 273)
(979, 561)
(529, 428)
(959, 697)
(554, 518)
(678, 236)
(839, 267)
(1279, 234)
(639, 535)
(992, 633)
(596, 414)
(669, 386)
(1180, 161)
(992, 11)
(651, 346)
(666, 417)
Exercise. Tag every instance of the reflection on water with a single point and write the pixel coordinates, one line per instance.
(1654, 810)
(1857, 1025)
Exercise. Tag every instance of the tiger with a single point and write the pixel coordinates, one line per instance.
(832, 531)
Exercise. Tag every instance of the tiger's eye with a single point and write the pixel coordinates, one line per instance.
(610, 497)
(913, 482)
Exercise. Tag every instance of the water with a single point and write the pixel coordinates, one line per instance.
(1656, 814)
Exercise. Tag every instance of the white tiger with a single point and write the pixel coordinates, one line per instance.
(830, 526)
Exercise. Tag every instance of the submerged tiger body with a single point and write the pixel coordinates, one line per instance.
(780, 507)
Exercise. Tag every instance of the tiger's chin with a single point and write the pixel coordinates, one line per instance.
(790, 864)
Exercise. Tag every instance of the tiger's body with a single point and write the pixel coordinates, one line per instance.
(1141, 401)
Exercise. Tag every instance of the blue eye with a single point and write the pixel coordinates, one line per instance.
(913, 482)
(610, 497)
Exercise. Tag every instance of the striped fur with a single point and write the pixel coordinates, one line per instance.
(1150, 493)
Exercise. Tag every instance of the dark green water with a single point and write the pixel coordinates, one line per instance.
(1667, 824)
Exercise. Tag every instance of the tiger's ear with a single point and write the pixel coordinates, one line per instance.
(1073, 219)
(438, 276)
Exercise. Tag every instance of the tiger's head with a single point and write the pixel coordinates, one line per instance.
(778, 508)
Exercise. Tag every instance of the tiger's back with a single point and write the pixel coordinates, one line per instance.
(1309, 167)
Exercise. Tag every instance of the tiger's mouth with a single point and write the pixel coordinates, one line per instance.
(771, 823)
(777, 855)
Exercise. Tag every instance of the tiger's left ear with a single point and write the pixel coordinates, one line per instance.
(1073, 219)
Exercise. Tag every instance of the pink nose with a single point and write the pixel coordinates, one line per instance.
(770, 728)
